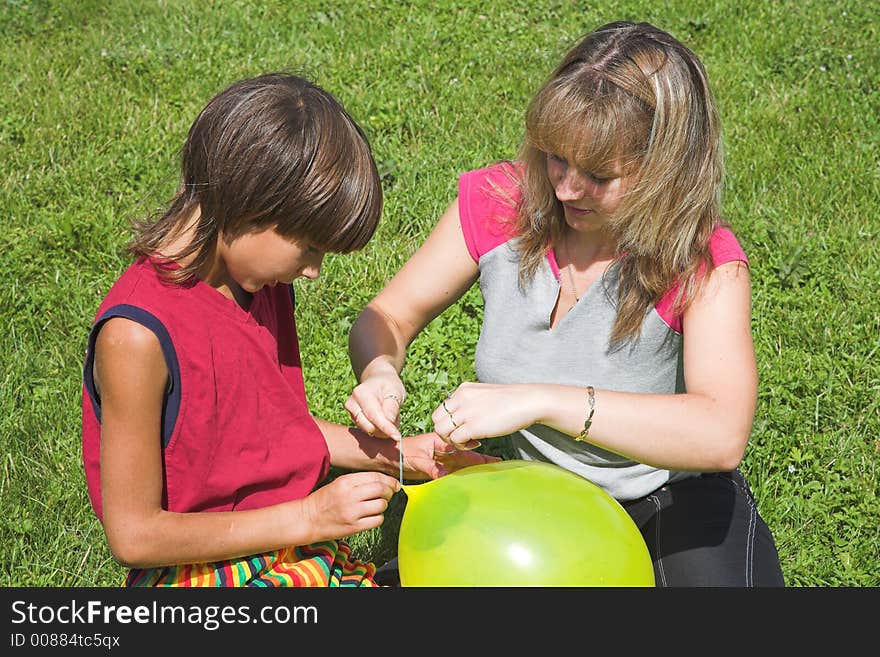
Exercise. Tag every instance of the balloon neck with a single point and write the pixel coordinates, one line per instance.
(412, 490)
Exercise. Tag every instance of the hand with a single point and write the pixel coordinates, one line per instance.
(375, 404)
(350, 503)
(428, 456)
(485, 410)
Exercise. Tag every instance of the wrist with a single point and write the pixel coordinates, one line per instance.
(590, 410)
(298, 522)
(379, 367)
(546, 403)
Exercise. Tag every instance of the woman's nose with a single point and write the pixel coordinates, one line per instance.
(571, 186)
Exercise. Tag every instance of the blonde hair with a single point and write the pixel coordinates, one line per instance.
(631, 94)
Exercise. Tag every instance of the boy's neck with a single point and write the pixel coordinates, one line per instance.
(216, 276)
(234, 291)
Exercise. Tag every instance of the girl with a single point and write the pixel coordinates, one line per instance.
(201, 457)
(616, 335)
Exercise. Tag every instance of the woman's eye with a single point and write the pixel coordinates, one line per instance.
(556, 158)
(599, 180)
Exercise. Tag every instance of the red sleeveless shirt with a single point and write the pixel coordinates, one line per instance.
(236, 430)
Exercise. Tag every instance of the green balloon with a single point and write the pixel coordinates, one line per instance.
(518, 523)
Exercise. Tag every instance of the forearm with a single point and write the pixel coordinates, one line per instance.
(375, 344)
(160, 538)
(687, 431)
(353, 449)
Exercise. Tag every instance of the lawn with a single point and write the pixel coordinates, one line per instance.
(96, 101)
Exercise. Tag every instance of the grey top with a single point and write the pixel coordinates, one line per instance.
(517, 345)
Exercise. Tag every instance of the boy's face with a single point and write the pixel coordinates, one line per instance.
(266, 258)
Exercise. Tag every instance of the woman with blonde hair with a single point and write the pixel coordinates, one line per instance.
(616, 338)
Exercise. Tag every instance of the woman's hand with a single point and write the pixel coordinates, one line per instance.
(485, 410)
(375, 404)
(427, 456)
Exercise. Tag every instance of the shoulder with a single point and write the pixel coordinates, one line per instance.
(128, 357)
(724, 247)
(504, 174)
(139, 280)
(121, 335)
(488, 200)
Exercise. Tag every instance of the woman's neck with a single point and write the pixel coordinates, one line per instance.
(585, 249)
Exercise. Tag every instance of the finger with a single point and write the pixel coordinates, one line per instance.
(367, 415)
(353, 408)
(446, 452)
(461, 439)
(392, 397)
(377, 484)
(358, 413)
(376, 420)
(368, 478)
(445, 421)
(391, 404)
(442, 424)
(369, 522)
(372, 507)
(361, 421)
(388, 421)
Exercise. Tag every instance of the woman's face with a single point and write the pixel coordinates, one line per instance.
(588, 198)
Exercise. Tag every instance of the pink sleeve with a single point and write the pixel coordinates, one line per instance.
(724, 248)
(486, 215)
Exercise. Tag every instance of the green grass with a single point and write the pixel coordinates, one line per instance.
(96, 100)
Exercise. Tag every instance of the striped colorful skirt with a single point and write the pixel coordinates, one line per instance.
(320, 564)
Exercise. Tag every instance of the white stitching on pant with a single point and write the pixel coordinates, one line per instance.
(752, 532)
(656, 502)
(750, 546)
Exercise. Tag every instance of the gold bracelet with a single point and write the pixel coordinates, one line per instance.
(591, 400)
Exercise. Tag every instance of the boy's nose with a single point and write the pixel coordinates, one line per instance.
(313, 270)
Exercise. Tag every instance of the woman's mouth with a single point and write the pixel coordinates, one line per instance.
(575, 211)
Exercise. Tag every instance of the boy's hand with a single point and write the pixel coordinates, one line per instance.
(427, 456)
(350, 503)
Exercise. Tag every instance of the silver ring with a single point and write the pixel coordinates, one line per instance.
(443, 403)
(357, 415)
(391, 395)
(454, 423)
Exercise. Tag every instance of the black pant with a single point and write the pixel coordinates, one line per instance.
(706, 531)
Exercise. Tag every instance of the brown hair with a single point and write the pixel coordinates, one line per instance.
(275, 151)
(631, 93)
